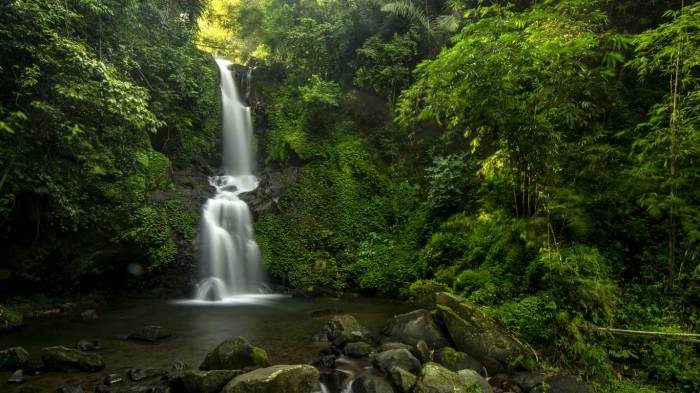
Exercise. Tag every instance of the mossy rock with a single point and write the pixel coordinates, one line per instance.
(300, 378)
(474, 332)
(9, 319)
(235, 354)
(66, 359)
(203, 381)
(412, 327)
(456, 360)
(14, 358)
(435, 378)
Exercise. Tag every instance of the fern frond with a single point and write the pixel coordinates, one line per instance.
(407, 9)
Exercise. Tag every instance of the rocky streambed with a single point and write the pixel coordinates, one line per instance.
(328, 346)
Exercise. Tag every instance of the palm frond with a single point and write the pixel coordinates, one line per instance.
(407, 9)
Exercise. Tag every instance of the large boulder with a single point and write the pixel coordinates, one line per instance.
(414, 326)
(9, 319)
(61, 358)
(435, 378)
(203, 381)
(235, 354)
(455, 360)
(473, 332)
(402, 358)
(562, 384)
(300, 378)
(13, 358)
(371, 384)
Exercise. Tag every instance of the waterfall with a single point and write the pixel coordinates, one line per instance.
(230, 256)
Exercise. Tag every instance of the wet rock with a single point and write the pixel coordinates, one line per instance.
(88, 345)
(151, 333)
(300, 378)
(139, 374)
(273, 185)
(333, 379)
(9, 319)
(455, 360)
(393, 345)
(111, 379)
(396, 358)
(61, 358)
(203, 381)
(179, 365)
(70, 389)
(562, 384)
(435, 378)
(473, 332)
(327, 361)
(417, 325)
(13, 358)
(235, 354)
(16, 377)
(357, 349)
(402, 379)
(88, 315)
(527, 381)
(423, 352)
(371, 384)
(344, 324)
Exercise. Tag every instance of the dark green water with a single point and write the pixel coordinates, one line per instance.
(282, 326)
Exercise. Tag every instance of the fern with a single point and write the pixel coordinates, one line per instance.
(407, 9)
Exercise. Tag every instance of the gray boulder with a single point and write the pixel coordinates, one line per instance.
(13, 358)
(235, 354)
(414, 326)
(473, 332)
(300, 378)
(203, 381)
(371, 384)
(397, 358)
(61, 358)
(435, 378)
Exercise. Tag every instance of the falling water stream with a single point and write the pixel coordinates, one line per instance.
(230, 257)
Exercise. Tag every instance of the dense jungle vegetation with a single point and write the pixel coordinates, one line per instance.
(539, 157)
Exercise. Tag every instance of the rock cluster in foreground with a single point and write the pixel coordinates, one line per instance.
(453, 348)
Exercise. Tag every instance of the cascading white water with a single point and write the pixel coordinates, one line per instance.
(230, 255)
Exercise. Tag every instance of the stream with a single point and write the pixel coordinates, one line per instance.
(282, 325)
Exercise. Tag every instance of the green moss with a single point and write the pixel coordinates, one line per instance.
(9, 319)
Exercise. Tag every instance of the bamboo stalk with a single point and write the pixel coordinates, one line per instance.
(687, 337)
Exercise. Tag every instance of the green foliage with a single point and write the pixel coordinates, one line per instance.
(385, 67)
(98, 98)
